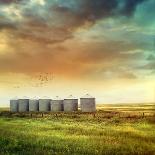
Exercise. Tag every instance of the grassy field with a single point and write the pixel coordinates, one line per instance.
(112, 130)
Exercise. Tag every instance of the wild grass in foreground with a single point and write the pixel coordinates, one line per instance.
(83, 134)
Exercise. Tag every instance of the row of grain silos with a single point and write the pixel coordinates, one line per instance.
(69, 104)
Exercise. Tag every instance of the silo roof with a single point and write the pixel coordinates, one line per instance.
(34, 98)
(87, 96)
(57, 98)
(24, 98)
(70, 97)
(45, 97)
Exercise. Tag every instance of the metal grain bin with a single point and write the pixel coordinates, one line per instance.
(57, 104)
(14, 105)
(70, 104)
(23, 105)
(88, 104)
(44, 105)
(33, 105)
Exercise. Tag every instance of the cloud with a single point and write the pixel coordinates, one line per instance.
(7, 26)
(42, 37)
(70, 59)
(9, 1)
(151, 57)
(60, 19)
(89, 12)
(129, 7)
(149, 66)
(144, 15)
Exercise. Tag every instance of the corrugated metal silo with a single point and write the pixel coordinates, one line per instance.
(14, 105)
(23, 105)
(44, 105)
(57, 104)
(70, 104)
(88, 104)
(33, 105)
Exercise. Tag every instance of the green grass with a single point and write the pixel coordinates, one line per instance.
(83, 134)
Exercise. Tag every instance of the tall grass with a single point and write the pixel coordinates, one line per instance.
(70, 136)
(76, 134)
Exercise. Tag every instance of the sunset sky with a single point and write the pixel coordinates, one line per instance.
(60, 47)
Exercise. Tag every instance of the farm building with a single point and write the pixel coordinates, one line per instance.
(33, 105)
(70, 104)
(14, 105)
(87, 103)
(57, 104)
(44, 105)
(23, 105)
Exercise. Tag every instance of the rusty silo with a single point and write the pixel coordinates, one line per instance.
(33, 105)
(70, 104)
(23, 105)
(88, 104)
(44, 105)
(14, 105)
(57, 104)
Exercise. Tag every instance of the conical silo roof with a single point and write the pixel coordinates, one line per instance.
(87, 96)
(34, 98)
(24, 97)
(57, 98)
(45, 97)
(70, 97)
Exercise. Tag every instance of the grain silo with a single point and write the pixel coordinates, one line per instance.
(57, 104)
(33, 105)
(70, 104)
(23, 105)
(44, 105)
(88, 104)
(14, 105)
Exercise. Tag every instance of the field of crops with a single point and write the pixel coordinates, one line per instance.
(120, 129)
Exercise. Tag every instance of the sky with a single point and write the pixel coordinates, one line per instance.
(54, 48)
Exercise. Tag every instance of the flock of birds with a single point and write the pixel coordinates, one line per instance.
(42, 79)
(37, 80)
